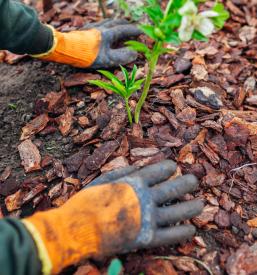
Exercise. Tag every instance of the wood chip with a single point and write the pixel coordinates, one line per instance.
(65, 121)
(34, 127)
(117, 163)
(30, 156)
(86, 135)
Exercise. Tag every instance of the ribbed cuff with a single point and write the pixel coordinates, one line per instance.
(42, 42)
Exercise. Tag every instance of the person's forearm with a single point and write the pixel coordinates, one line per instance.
(18, 253)
(20, 30)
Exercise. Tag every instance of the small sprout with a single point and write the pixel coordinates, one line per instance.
(124, 89)
(115, 267)
(12, 106)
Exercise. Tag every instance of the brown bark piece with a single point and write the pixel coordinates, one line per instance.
(115, 126)
(100, 155)
(240, 97)
(206, 216)
(83, 121)
(34, 127)
(243, 261)
(6, 173)
(117, 163)
(65, 121)
(86, 135)
(56, 101)
(80, 79)
(159, 267)
(170, 116)
(74, 161)
(188, 116)
(158, 119)
(30, 156)
(13, 201)
(178, 100)
(209, 153)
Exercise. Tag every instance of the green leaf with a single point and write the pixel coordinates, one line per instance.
(199, 36)
(109, 75)
(149, 31)
(114, 79)
(224, 15)
(106, 86)
(137, 85)
(172, 21)
(155, 13)
(119, 85)
(115, 267)
(133, 74)
(137, 46)
(173, 38)
(126, 76)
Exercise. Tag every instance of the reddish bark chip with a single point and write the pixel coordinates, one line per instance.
(86, 135)
(159, 267)
(206, 216)
(35, 126)
(56, 101)
(100, 155)
(117, 163)
(243, 261)
(83, 121)
(65, 121)
(80, 79)
(30, 156)
(115, 126)
(87, 269)
(188, 116)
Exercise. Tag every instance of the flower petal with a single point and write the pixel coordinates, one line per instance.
(209, 14)
(186, 29)
(188, 8)
(205, 26)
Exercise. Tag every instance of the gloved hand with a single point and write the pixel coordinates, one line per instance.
(92, 47)
(118, 217)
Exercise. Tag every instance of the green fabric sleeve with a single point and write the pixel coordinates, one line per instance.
(18, 253)
(20, 30)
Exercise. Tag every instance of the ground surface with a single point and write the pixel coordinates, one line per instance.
(201, 113)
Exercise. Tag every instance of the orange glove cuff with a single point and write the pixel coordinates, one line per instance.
(77, 48)
(95, 222)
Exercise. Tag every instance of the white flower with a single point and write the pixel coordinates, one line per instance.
(192, 20)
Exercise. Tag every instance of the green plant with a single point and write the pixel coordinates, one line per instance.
(115, 267)
(124, 89)
(179, 22)
(134, 11)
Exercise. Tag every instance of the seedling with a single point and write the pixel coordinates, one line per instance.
(179, 22)
(124, 89)
(134, 11)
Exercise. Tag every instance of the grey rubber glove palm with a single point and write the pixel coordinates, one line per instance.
(112, 32)
(154, 189)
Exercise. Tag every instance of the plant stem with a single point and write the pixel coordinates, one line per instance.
(128, 111)
(151, 68)
(103, 8)
(167, 9)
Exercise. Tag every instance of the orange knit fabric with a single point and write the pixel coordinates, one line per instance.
(95, 222)
(77, 48)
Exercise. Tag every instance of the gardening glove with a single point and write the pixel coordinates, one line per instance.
(91, 47)
(108, 218)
